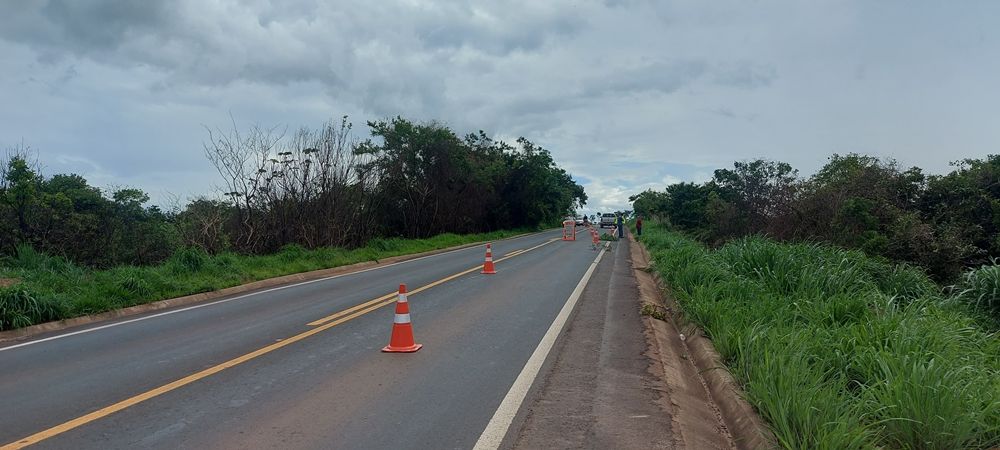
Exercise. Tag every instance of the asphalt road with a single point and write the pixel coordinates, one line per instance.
(251, 372)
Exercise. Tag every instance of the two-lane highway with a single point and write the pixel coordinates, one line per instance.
(299, 366)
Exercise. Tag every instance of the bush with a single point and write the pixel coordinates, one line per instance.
(383, 245)
(902, 281)
(191, 259)
(981, 288)
(133, 282)
(27, 258)
(21, 307)
(292, 252)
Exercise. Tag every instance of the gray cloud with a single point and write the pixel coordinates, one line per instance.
(103, 25)
(660, 77)
(121, 89)
(88, 27)
(746, 75)
(498, 31)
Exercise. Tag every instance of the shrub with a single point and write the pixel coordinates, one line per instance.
(27, 258)
(383, 244)
(981, 288)
(20, 307)
(133, 281)
(292, 252)
(190, 259)
(902, 281)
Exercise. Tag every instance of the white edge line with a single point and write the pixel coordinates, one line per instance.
(495, 431)
(203, 305)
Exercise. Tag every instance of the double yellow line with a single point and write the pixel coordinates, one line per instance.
(321, 325)
(390, 298)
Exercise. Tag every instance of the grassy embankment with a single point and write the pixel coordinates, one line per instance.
(837, 350)
(52, 288)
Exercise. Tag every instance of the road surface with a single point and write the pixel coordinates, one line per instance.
(300, 366)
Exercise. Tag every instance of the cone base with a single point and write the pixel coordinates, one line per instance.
(410, 349)
(488, 272)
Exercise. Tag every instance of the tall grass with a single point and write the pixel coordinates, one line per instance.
(837, 350)
(53, 288)
(981, 288)
(21, 307)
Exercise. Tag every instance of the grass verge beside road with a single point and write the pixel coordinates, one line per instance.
(837, 350)
(51, 288)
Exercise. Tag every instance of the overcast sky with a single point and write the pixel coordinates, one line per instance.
(627, 95)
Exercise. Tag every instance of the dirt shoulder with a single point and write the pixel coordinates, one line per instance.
(620, 379)
(597, 390)
(704, 395)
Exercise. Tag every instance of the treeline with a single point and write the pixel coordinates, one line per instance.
(943, 223)
(313, 187)
(64, 215)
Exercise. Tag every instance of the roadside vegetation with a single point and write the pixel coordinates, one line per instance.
(53, 288)
(292, 201)
(841, 350)
(944, 224)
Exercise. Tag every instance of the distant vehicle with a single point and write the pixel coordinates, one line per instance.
(580, 221)
(608, 220)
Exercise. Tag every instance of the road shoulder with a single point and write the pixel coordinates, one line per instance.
(601, 388)
(618, 378)
(707, 401)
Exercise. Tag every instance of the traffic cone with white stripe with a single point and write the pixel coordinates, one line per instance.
(402, 330)
(488, 265)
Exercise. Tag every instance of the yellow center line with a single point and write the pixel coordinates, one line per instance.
(393, 295)
(390, 298)
(337, 319)
(106, 411)
(352, 309)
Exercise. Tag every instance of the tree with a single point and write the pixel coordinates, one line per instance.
(537, 190)
(247, 164)
(760, 189)
(968, 200)
(202, 224)
(64, 215)
(20, 185)
(686, 204)
(429, 181)
(420, 171)
(650, 203)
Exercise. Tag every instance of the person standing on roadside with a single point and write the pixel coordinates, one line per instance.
(621, 225)
(638, 225)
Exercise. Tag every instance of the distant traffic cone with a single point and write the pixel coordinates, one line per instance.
(402, 331)
(488, 265)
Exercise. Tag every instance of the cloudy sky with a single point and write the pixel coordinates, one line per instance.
(627, 95)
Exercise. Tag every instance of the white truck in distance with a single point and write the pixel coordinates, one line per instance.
(607, 220)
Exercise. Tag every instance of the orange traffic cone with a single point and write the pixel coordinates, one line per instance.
(402, 331)
(488, 265)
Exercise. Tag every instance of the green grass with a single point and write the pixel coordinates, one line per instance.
(837, 350)
(52, 288)
(981, 288)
